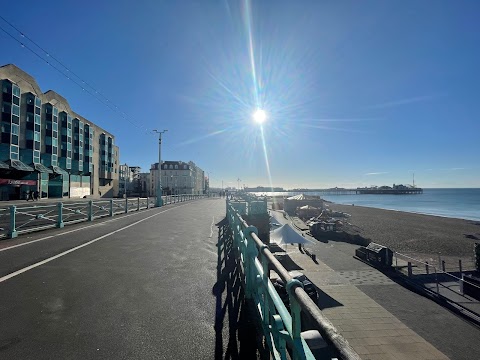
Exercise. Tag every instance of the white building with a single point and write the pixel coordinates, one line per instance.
(178, 177)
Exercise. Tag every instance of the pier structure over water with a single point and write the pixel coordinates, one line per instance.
(382, 190)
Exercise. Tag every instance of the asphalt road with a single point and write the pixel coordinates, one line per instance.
(134, 287)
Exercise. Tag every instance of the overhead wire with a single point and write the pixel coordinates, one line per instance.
(84, 85)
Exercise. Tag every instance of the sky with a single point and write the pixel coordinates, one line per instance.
(356, 93)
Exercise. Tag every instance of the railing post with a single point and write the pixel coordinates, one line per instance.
(460, 266)
(60, 223)
(461, 285)
(90, 210)
(111, 208)
(148, 202)
(436, 281)
(126, 204)
(426, 267)
(443, 265)
(138, 204)
(296, 318)
(12, 233)
(409, 269)
(251, 252)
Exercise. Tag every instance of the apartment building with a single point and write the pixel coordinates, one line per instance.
(46, 147)
(178, 177)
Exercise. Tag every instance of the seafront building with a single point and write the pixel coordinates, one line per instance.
(178, 177)
(47, 147)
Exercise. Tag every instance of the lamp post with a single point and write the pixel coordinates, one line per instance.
(159, 182)
(125, 171)
(208, 177)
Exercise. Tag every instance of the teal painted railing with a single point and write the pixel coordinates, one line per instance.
(17, 219)
(280, 326)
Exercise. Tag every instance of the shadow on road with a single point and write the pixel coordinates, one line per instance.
(234, 318)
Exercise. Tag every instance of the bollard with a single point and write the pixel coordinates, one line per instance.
(443, 265)
(111, 208)
(90, 210)
(426, 268)
(60, 223)
(12, 233)
(460, 266)
(409, 269)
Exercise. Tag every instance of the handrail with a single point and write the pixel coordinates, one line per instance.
(250, 246)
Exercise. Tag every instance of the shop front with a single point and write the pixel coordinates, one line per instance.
(13, 189)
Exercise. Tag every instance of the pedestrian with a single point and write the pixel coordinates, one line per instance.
(35, 195)
(30, 195)
(27, 195)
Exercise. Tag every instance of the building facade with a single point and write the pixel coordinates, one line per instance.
(178, 177)
(47, 147)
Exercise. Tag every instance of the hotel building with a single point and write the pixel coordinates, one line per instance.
(46, 147)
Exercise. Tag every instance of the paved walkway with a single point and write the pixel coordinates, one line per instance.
(380, 318)
(136, 286)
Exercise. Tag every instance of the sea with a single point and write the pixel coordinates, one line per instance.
(453, 203)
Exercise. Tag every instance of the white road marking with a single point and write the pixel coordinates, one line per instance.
(21, 271)
(74, 230)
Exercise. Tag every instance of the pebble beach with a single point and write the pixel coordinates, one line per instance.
(422, 236)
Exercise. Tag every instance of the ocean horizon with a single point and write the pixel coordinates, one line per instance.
(460, 203)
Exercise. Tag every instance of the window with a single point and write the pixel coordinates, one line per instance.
(15, 129)
(14, 139)
(16, 110)
(15, 119)
(38, 102)
(55, 111)
(6, 108)
(37, 110)
(37, 127)
(16, 90)
(37, 145)
(38, 119)
(16, 100)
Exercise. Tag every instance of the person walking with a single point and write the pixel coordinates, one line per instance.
(35, 195)
(27, 195)
(30, 195)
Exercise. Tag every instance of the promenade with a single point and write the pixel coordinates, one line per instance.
(146, 285)
(136, 286)
(380, 318)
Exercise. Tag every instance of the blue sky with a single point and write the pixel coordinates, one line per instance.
(357, 93)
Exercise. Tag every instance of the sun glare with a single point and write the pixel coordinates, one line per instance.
(259, 116)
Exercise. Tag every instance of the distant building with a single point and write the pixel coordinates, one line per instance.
(264, 189)
(46, 147)
(291, 204)
(178, 177)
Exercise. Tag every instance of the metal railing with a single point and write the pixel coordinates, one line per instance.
(15, 220)
(280, 326)
(435, 279)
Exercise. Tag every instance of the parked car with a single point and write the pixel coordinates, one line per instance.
(308, 286)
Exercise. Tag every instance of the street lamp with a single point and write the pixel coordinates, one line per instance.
(125, 171)
(208, 176)
(159, 182)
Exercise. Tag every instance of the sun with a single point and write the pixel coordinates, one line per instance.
(259, 116)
